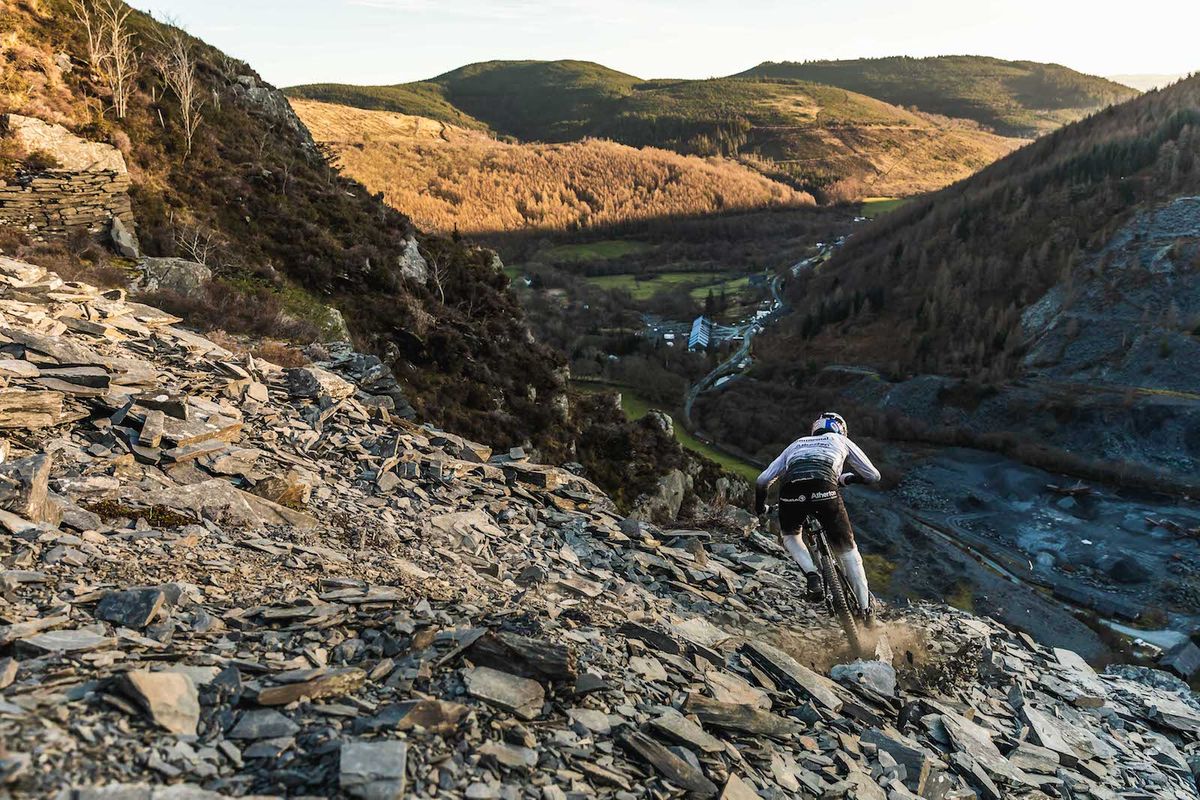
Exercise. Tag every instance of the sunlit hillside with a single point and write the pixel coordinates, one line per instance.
(837, 144)
(1013, 98)
(449, 178)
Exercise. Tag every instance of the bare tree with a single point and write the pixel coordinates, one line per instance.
(120, 65)
(111, 50)
(177, 66)
(196, 243)
(435, 272)
(89, 17)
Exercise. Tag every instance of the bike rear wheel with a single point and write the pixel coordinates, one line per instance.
(835, 589)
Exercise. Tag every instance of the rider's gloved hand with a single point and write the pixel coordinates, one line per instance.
(764, 517)
(849, 478)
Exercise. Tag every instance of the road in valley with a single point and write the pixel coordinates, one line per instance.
(739, 361)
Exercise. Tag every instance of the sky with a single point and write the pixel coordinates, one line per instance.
(396, 41)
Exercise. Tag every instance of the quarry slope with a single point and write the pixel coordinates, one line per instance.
(223, 578)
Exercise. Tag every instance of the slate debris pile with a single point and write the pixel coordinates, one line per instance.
(223, 578)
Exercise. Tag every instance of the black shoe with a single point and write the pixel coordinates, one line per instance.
(815, 592)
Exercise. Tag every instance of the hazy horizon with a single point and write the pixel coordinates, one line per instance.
(395, 41)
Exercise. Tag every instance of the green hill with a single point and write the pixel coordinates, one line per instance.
(1013, 98)
(424, 99)
(542, 100)
(545, 100)
(819, 138)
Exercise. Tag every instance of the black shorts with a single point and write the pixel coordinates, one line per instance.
(821, 500)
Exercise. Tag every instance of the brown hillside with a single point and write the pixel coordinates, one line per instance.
(449, 178)
(286, 233)
(833, 143)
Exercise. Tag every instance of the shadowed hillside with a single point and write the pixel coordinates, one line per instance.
(952, 272)
(451, 178)
(825, 140)
(1014, 98)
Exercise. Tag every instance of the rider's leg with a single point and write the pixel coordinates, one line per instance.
(800, 554)
(841, 539)
(793, 506)
(852, 565)
(791, 520)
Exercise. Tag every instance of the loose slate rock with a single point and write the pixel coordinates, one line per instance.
(509, 756)
(435, 716)
(8, 672)
(519, 696)
(591, 719)
(737, 789)
(677, 770)
(676, 726)
(521, 655)
(24, 488)
(374, 770)
(168, 698)
(80, 640)
(876, 676)
(332, 684)
(786, 670)
(263, 723)
(132, 608)
(746, 719)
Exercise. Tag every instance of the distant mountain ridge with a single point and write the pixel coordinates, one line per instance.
(1145, 82)
(822, 139)
(1013, 98)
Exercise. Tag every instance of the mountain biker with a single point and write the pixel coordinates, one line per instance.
(813, 471)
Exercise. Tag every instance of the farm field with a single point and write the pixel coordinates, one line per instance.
(595, 251)
(700, 282)
(878, 206)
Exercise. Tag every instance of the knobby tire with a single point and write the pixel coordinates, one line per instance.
(836, 591)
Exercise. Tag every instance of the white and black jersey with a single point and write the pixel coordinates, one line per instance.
(825, 457)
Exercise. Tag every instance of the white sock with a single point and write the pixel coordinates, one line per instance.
(852, 565)
(800, 553)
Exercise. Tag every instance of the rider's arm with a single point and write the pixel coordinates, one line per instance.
(763, 483)
(857, 460)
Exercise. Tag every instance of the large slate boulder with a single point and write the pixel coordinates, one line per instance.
(663, 504)
(412, 264)
(174, 274)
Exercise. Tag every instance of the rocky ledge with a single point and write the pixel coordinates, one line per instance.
(221, 578)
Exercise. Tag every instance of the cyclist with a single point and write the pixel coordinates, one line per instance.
(813, 470)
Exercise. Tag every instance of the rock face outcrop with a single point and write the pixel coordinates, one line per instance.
(174, 274)
(424, 618)
(412, 264)
(273, 105)
(663, 503)
(87, 189)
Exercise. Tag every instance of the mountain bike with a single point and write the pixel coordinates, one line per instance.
(839, 597)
